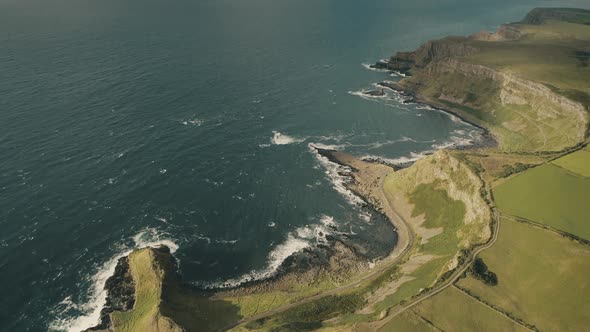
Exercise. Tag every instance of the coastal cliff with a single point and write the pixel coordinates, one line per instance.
(489, 80)
(136, 293)
(442, 206)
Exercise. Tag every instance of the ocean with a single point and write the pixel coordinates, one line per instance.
(191, 123)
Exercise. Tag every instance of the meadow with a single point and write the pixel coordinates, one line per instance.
(550, 195)
(452, 310)
(519, 103)
(145, 315)
(577, 162)
(542, 277)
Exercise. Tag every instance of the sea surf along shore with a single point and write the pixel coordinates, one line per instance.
(313, 272)
(442, 206)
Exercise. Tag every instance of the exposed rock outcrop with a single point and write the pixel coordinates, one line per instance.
(522, 112)
(120, 294)
(431, 51)
(505, 32)
(541, 15)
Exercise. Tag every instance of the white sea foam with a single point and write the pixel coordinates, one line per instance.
(222, 241)
(377, 145)
(384, 160)
(452, 116)
(368, 66)
(363, 94)
(339, 175)
(296, 241)
(365, 216)
(192, 122)
(414, 156)
(149, 237)
(215, 183)
(327, 146)
(333, 137)
(459, 138)
(282, 139)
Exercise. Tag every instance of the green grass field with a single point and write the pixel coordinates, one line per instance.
(451, 310)
(542, 277)
(408, 321)
(254, 303)
(423, 277)
(577, 162)
(426, 186)
(145, 315)
(518, 105)
(550, 195)
(440, 211)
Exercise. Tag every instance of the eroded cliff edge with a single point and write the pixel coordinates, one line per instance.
(527, 84)
(519, 82)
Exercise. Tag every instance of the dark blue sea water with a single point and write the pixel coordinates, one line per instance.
(189, 123)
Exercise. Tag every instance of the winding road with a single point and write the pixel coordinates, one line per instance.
(391, 213)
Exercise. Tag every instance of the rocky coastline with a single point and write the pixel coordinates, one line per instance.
(486, 141)
(120, 289)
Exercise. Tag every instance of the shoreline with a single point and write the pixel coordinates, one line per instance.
(367, 182)
(366, 179)
(488, 139)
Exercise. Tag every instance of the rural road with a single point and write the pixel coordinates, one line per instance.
(391, 213)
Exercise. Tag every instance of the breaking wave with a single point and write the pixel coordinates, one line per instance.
(96, 296)
(296, 241)
(368, 66)
(338, 175)
(282, 139)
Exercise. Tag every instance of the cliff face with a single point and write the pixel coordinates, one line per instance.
(120, 294)
(573, 15)
(429, 52)
(516, 100)
(135, 291)
(523, 115)
(505, 32)
(445, 172)
(513, 89)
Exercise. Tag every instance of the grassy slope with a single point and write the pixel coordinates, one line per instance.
(451, 310)
(553, 195)
(428, 186)
(445, 194)
(553, 54)
(431, 199)
(546, 54)
(439, 211)
(438, 185)
(164, 305)
(578, 162)
(542, 278)
(145, 316)
(548, 194)
(254, 303)
(423, 278)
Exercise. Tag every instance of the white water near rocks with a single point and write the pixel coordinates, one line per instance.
(119, 122)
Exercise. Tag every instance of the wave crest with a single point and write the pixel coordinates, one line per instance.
(96, 295)
(296, 241)
(282, 139)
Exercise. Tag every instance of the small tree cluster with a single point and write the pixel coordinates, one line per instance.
(508, 170)
(480, 270)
